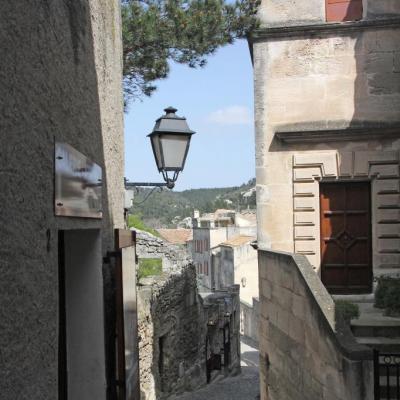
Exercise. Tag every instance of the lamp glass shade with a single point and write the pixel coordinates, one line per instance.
(174, 150)
(155, 142)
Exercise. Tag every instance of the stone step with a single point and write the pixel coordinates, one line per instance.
(383, 344)
(355, 298)
(370, 327)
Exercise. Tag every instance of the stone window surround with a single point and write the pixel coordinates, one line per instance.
(381, 168)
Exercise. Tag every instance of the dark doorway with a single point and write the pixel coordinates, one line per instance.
(161, 350)
(81, 324)
(346, 261)
(227, 345)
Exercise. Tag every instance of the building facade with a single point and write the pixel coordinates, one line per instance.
(327, 111)
(209, 231)
(235, 261)
(204, 239)
(238, 265)
(327, 114)
(60, 80)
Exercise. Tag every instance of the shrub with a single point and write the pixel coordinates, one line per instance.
(347, 310)
(384, 284)
(392, 299)
(134, 221)
(387, 295)
(149, 267)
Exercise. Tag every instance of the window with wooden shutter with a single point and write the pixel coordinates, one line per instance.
(343, 10)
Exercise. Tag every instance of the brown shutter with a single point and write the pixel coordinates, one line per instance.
(343, 10)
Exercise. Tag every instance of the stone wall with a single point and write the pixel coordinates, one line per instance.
(173, 257)
(332, 81)
(304, 353)
(275, 13)
(178, 328)
(60, 79)
(171, 323)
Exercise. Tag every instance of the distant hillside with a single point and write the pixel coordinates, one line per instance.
(161, 208)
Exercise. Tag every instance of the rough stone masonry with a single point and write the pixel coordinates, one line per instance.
(186, 339)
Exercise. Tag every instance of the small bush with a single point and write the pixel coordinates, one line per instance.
(347, 310)
(392, 299)
(134, 221)
(387, 295)
(149, 267)
(384, 284)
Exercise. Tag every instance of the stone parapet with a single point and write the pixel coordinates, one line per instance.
(305, 353)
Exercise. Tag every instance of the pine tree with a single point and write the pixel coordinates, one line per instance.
(156, 32)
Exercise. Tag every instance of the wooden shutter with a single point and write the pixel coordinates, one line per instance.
(127, 371)
(343, 10)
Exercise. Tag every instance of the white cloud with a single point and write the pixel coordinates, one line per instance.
(233, 115)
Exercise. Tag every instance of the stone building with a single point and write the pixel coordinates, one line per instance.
(237, 264)
(187, 339)
(235, 261)
(212, 229)
(327, 113)
(60, 81)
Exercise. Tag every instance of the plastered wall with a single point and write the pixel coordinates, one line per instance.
(60, 80)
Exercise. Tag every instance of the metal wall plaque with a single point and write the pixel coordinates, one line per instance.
(78, 184)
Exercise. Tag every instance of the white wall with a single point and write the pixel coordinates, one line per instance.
(84, 315)
(246, 266)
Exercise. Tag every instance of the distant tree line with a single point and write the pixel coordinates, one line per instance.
(163, 209)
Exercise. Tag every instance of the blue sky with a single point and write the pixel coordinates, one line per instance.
(218, 103)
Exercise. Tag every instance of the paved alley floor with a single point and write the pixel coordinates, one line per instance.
(242, 387)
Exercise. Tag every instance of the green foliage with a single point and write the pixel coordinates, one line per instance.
(387, 295)
(161, 207)
(149, 267)
(135, 221)
(347, 310)
(393, 301)
(184, 31)
(381, 291)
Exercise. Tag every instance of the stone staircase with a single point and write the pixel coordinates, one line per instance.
(376, 330)
(381, 333)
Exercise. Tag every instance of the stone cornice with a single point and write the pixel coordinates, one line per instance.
(336, 135)
(325, 29)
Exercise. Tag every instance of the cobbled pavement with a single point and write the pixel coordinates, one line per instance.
(241, 387)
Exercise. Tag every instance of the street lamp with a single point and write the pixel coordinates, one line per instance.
(170, 140)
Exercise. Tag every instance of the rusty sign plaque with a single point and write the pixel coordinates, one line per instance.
(78, 184)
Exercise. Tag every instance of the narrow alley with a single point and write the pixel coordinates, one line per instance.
(242, 387)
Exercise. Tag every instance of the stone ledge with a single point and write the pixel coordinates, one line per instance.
(336, 135)
(342, 28)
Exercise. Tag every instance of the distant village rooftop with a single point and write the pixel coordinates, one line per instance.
(238, 241)
(217, 215)
(176, 236)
